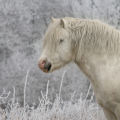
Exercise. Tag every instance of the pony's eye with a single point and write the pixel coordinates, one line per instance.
(61, 40)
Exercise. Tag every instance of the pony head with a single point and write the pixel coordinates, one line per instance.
(57, 46)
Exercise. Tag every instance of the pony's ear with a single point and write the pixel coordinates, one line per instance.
(52, 19)
(63, 23)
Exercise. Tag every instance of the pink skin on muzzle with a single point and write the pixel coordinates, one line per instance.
(41, 64)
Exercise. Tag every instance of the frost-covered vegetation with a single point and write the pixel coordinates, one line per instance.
(46, 110)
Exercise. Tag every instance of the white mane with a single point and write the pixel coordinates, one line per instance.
(95, 36)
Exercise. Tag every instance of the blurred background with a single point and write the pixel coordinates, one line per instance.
(22, 27)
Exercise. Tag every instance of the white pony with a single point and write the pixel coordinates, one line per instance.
(95, 47)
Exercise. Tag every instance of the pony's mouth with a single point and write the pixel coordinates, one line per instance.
(56, 66)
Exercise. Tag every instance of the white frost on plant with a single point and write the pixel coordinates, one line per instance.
(46, 110)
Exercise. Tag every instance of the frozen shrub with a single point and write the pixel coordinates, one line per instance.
(46, 110)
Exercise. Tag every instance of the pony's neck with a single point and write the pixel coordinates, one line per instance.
(88, 63)
(83, 63)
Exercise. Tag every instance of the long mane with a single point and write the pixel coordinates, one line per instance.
(94, 36)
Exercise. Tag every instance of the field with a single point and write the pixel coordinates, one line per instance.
(46, 110)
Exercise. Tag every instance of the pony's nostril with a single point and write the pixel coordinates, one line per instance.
(47, 65)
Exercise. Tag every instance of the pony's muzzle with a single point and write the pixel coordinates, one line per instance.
(44, 65)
